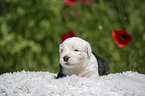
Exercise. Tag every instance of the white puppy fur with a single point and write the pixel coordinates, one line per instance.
(80, 60)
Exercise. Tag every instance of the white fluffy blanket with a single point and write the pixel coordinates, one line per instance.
(44, 84)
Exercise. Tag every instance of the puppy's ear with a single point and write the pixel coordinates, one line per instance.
(60, 49)
(89, 50)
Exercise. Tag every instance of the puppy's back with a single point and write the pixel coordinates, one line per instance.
(103, 67)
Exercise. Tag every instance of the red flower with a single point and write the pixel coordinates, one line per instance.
(121, 37)
(67, 35)
(70, 2)
(86, 2)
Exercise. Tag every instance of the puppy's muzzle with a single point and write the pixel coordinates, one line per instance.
(65, 58)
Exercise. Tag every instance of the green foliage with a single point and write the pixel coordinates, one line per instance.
(30, 32)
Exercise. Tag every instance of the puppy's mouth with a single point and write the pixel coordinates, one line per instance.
(66, 63)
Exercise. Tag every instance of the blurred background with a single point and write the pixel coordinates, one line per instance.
(31, 30)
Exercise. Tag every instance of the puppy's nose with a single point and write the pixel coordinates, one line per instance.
(65, 58)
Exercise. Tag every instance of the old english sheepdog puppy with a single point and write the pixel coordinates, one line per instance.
(76, 58)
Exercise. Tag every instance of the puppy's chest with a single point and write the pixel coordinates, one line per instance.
(71, 71)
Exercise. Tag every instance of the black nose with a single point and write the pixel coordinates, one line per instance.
(65, 58)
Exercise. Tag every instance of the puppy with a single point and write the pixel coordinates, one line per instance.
(76, 58)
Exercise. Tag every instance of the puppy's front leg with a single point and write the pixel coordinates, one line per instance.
(60, 74)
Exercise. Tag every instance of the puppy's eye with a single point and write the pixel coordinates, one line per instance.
(76, 50)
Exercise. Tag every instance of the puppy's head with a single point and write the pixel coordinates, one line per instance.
(74, 52)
